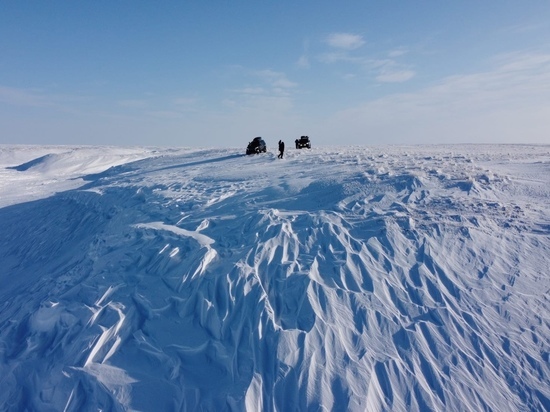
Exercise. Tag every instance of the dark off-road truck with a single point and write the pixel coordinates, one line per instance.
(257, 145)
(302, 142)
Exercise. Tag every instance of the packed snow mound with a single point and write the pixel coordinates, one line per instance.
(81, 160)
(30, 173)
(381, 279)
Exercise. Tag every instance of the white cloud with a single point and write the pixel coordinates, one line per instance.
(133, 103)
(397, 53)
(42, 99)
(395, 76)
(270, 95)
(166, 114)
(23, 97)
(514, 62)
(303, 62)
(275, 79)
(185, 101)
(251, 90)
(345, 41)
(349, 76)
(389, 71)
(510, 103)
(339, 56)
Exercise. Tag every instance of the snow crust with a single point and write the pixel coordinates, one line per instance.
(402, 278)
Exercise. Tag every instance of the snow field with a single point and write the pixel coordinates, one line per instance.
(347, 278)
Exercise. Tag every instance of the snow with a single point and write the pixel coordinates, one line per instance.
(392, 278)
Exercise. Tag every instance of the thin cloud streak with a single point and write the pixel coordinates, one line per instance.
(499, 105)
(275, 79)
(22, 97)
(133, 103)
(398, 76)
(346, 41)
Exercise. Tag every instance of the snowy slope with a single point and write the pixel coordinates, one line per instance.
(349, 278)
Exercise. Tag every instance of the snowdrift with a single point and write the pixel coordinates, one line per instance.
(379, 279)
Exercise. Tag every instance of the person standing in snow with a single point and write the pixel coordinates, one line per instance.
(281, 149)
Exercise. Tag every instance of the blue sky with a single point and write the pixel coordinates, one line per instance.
(218, 73)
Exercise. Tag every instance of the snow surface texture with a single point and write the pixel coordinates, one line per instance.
(353, 278)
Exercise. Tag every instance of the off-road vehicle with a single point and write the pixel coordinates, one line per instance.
(302, 142)
(257, 145)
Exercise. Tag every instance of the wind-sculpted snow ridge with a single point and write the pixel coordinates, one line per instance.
(379, 279)
(52, 169)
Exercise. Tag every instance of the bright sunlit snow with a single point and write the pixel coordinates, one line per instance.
(402, 278)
